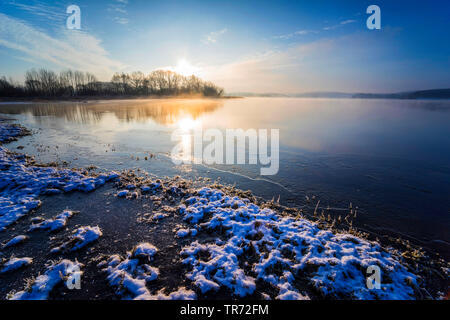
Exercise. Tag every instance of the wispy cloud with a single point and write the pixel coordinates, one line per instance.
(269, 71)
(293, 34)
(305, 32)
(119, 7)
(67, 49)
(51, 14)
(342, 23)
(120, 10)
(333, 63)
(212, 37)
(40, 9)
(348, 21)
(121, 20)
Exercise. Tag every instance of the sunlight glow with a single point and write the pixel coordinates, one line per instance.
(186, 69)
(187, 124)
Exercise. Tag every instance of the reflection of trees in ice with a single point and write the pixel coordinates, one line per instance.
(164, 111)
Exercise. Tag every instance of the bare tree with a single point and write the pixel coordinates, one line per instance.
(46, 83)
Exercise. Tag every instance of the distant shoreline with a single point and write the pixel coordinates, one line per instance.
(410, 95)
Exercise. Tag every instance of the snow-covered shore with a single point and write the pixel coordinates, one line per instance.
(228, 245)
(21, 184)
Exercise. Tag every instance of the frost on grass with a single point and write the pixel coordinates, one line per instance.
(129, 275)
(80, 238)
(15, 241)
(282, 253)
(40, 288)
(21, 185)
(14, 264)
(54, 224)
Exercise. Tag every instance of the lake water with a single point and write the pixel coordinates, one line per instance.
(390, 158)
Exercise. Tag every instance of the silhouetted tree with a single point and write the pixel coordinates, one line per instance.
(68, 83)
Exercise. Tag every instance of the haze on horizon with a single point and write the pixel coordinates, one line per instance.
(251, 46)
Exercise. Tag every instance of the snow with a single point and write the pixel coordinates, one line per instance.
(181, 233)
(262, 245)
(54, 224)
(258, 245)
(14, 264)
(205, 285)
(122, 193)
(85, 235)
(80, 238)
(155, 185)
(222, 268)
(129, 275)
(9, 131)
(21, 184)
(144, 250)
(15, 241)
(44, 284)
(159, 216)
(180, 294)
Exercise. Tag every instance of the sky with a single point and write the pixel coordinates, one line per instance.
(243, 46)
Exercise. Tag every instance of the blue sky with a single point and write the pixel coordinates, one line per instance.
(258, 46)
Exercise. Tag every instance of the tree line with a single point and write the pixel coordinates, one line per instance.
(68, 83)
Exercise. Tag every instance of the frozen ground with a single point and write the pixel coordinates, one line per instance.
(141, 238)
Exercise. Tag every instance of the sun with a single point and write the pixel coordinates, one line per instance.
(186, 69)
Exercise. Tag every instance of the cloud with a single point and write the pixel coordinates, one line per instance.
(121, 20)
(348, 21)
(43, 10)
(119, 10)
(270, 71)
(305, 32)
(342, 23)
(293, 34)
(119, 6)
(67, 49)
(212, 37)
(346, 63)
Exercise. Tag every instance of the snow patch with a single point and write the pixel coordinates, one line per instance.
(129, 275)
(262, 245)
(15, 241)
(80, 238)
(54, 224)
(181, 233)
(43, 284)
(14, 264)
(21, 184)
(122, 193)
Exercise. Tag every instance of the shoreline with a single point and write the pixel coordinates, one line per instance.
(86, 99)
(183, 207)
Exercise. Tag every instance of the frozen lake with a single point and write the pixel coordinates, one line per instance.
(390, 158)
